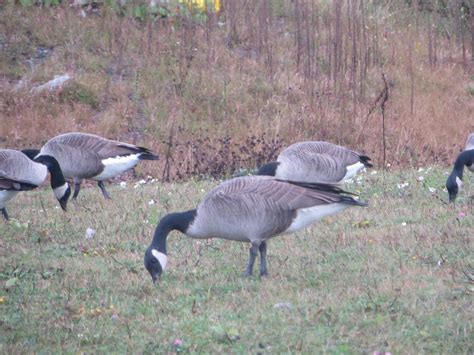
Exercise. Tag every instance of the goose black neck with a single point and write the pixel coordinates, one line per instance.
(57, 177)
(268, 169)
(30, 153)
(174, 221)
(465, 158)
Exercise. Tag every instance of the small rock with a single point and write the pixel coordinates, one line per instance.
(54, 84)
(283, 305)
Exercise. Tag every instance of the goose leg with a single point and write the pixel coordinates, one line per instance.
(77, 187)
(263, 259)
(253, 255)
(4, 213)
(104, 191)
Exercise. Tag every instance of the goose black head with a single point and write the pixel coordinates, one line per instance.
(155, 263)
(453, 185)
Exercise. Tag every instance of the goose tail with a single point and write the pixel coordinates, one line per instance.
(147, 154)
(364, 159)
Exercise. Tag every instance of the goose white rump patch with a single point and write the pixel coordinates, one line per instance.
(5, 196)
(117, 165)
(307, 216)
(161, 257)
(353, 169)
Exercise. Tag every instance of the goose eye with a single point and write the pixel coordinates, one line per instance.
(153, 260)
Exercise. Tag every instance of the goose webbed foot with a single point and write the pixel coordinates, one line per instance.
(104, 191)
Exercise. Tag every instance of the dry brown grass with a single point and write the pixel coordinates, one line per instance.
(301, 70)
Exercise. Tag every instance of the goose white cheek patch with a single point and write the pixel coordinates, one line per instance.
(60, 191)
(162, 258)
(459, 182)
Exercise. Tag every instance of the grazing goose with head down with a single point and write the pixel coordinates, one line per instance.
(88, 156)
(249, 209)
(19, 173)
(465, 158)
(316, 162)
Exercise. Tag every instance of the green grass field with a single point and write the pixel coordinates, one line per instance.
(394, 277)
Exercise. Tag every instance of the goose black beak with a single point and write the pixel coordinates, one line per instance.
(154, 278)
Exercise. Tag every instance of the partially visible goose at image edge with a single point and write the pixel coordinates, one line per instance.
(249, 209)
(20, 173)
(465, 158)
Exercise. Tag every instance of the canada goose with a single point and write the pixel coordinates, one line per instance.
(316, 162)
(249, 209)
(88, 156)
(19, 173)
(466, 158)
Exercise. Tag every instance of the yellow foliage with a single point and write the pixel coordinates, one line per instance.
(211, 5)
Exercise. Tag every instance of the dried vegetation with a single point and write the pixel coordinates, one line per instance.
(273, 70)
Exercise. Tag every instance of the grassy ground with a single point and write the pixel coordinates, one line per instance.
(391, 277)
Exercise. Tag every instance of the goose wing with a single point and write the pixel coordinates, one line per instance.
(311, 167)
(104, 148)
(76, 157)
(257, 207)
(18, 172)
(344, 155)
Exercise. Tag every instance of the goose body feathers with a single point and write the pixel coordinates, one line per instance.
(88, 156)
(470, 142)
(250, 209)
(319, 162)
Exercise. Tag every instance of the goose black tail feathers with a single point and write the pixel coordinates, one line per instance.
(364, 159)
(147, 154)
(332, 189)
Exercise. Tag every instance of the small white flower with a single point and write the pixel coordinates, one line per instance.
(141, 182)
(388, 165)
(90, 233)
(404, 223)
(402, 185)
(151, 202)
(432, 189)
(169, 193)
(373, 172)
(123, 184)
(202, 190)
(420, 170)
(421, 178)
